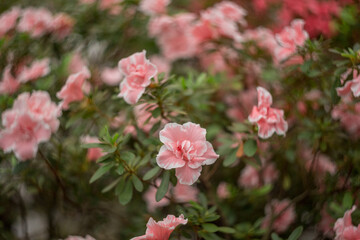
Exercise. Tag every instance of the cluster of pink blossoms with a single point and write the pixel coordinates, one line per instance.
(37, 22)
(161, 230)
(113, 6)
(31, 121)
(269, 120)
(344, 228)
(185, 149)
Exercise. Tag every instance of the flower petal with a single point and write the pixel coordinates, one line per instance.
(167, 160)
(187, 175)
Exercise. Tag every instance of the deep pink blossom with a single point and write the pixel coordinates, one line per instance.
(284, 220)
(185, 193)
(35, 21)
(344, 228)
(8, 20)
(269, 120)
(37, 69)
(62, 25)
(111, 76)
(161, 230)
(72, 91)
(93, 154)
(138, 72)
(185, 149)
(8, 84)
(154, 7)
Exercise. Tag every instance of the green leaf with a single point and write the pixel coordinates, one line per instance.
(250, 147)
(274, 236)
(127, 156)
(126, 194)
(210, 227)
(226, 230)
(93, 145)
(137, 183)
(120, 169)
(110, 186)
(151, 173)
(230, 158)
(101, 171)
(156, 112)
(347, 201)
(164, 186)
(296, 233)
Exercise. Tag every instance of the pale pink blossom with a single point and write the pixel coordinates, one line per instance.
(269, 120)
(232, 11)
(321, 164)
(150, 197)
(219, 59)
(185, 149)
(240, 106)
(35, 21)
(185, 193)
(77, 63)
(37, 69)
(111, 76)
(161, 230)
(284, 220)
(263, 37)
(163, 65)
(223, 191)
(138, 72)
(62, 25)
(87, 237)
(349, 116)
(93, 154)
(113, 6)
(344, 229)
(250, 176)
(8, 84)
(144, 119)
(72, 91)
(154, 7)
(350, 85)
(8, 20)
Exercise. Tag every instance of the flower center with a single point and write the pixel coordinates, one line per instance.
(184, 150)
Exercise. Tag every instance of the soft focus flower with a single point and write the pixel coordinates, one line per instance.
(163, 65)
(150, 197)
(349, 116)
(77, 63)
(326, 224)
(185, 193)
(250, 176)
(263, 37)
(284, 220)
(87, 237)
(93, 154)
(344, 229)
(161, 230)
(185, 149)
(8, 84)
(8, 20)
(62, 25)
(321, 164)
(111, 76)
(144, 119)
(72, 91)
(37, 69)
(269, 120)
(35, 21)
(138, 72)
(223, 191)
(113, 6)
(153, 7)
(232, 11)
(350, 85)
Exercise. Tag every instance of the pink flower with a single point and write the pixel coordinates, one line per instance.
(223, 191)
(161, 230)
(72, 91)
(154, 7)
(326, 223)
(111, 76)
(36, 22)
(144, 119)
(321, 165)
(150, 197)
(8, 84)
(350, 86)
(36, 70)
(93, 154)
(185, 149)
(112, 5)
(263, 37)
(40, 106)
(76, 63)
(8, 20)
(250, 177)
(87, 237)
(349, 116)
(269, 120)
(138, 72)
(284, 220)
(162, 64)
(185, 193)
(232, 11)
(62, 25)
(344, 228)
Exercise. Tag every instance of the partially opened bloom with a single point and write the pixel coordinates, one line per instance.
(138, 72)
(161, 230)
(284, 220)
(344, 228)
(8, 20)
(37, 69)
(72, 91)
(153, 7)
(185, 149)
(269, 120)
(8, 84)
(35, 21)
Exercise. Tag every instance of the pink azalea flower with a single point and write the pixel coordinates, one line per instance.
(250, 176)
(138, 72)
(350, 86)
(284, 220)
(77, 63)
(111, 76)
(321, 165)
(161, 230)
(87, 237)
(93, 154)
(263, 37)
(36, 70)
(349, 116)
(269, 120)
(62, 25)
(162, 64)
(113, 6)
(36, 22)
(326, 224)
(223, 191)
(150, 197)
(185, 149)
(40, 106)
(232, 11)
(8, 20)
(8, 84)
(144, 119)
(185, 193)
(344, 228)
(154, 7)
(72, 91)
